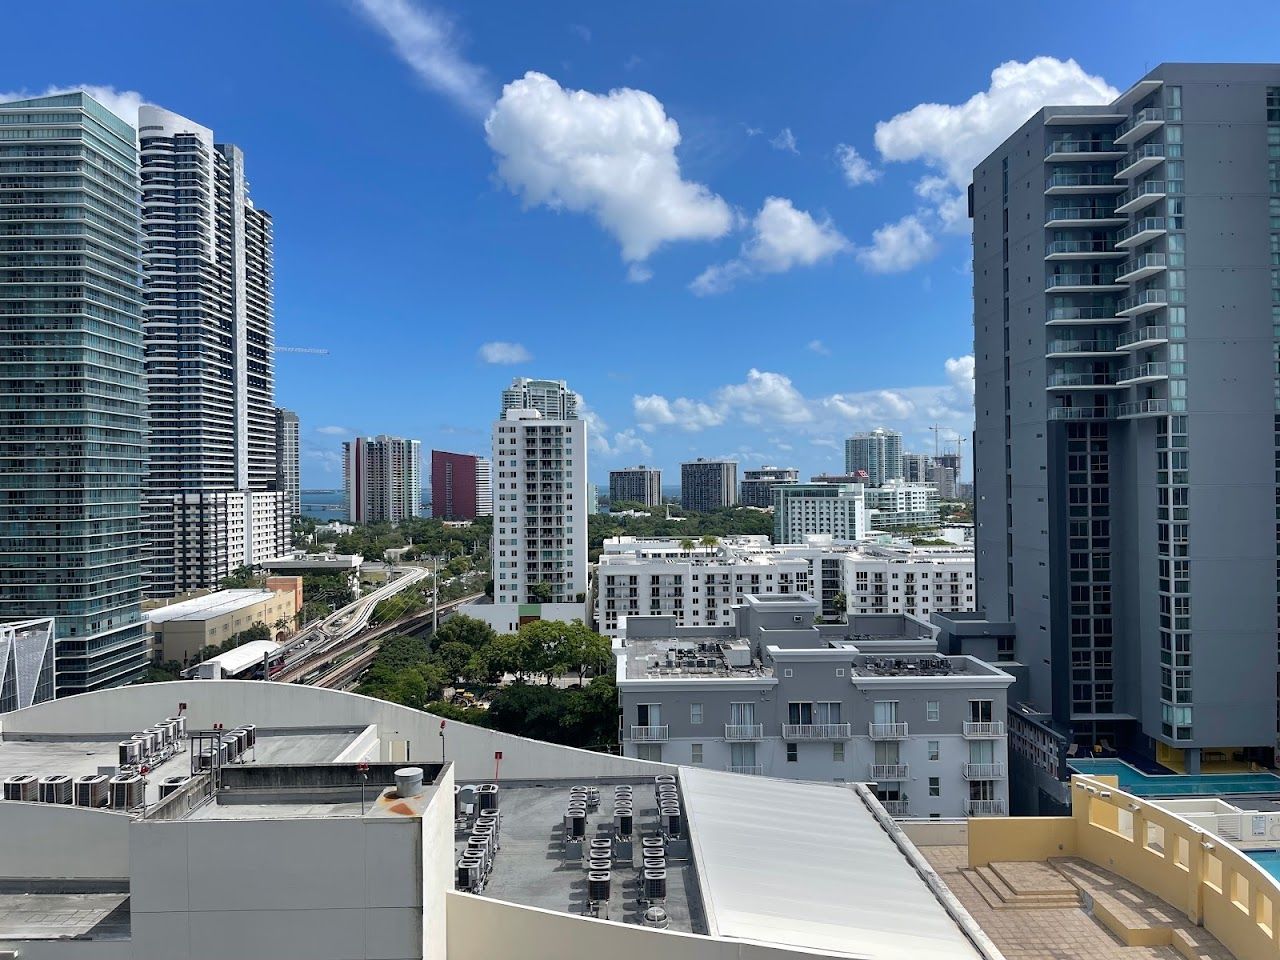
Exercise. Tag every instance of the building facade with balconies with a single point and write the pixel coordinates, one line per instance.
(1127, 325)
(779, 695)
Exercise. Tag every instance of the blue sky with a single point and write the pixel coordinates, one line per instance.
(459, 198)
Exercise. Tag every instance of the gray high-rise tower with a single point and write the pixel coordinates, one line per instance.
(72, 396)
(1127, 331)
(708, 484)
(288, 460)
(211, 494)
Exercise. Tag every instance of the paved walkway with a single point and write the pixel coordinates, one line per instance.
(1067, 932)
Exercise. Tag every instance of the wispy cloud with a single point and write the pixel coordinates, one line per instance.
(582, 30)
(817, 346)
(785, 141)
(500, 351)
(334, 431)
(857, 170)
(425, 39)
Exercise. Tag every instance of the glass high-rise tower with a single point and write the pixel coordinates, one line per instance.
(72, 392)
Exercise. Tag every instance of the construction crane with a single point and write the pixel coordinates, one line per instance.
(317, 351)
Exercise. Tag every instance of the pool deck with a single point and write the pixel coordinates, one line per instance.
(1172, 785)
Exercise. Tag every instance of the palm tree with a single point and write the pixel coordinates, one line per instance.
(686, 544)
(710, 540)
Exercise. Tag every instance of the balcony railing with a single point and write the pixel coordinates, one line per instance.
(887, 731)
(1144, 121)
(1065, 181)
(983, 771)
(1143, 371)
(895, 808)
(754, 769)
(1081, 413)
(1079, 248)
(889, 771)
(1135, 232)
(1080, 380)
(1143, 336)
(1143, 408)
(1152, 299)
(744, 731)
(649, 734)
(1080, 146)
(1136, 161)
(984, 808)
(1091, 213)
(1095, 279)
(1141, 195)
(816, 731)
(983, 729)
(1080, 346)
(1145, 265)
(1081, 315)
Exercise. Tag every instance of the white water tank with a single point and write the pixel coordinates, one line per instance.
(409, 781)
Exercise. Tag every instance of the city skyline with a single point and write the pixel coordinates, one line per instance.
(745, 139)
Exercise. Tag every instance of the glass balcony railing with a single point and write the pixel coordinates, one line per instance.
(1080, 346)
(1152, 406)
(1143, 371)
(1143, 336)
(1144, 120)
(1097, 278)
(1081, 146)
(1080, 314)
(1146, 300)
(1145, 264)
(1081, 380)
(1148, 190)
(1139, 159)
(1082, 413)
(1152, 225)
(1078, 247)
(1061, 180)
(1093, 212)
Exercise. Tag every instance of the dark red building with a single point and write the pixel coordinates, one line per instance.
(453, 485)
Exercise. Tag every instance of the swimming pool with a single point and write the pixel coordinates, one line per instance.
(1133, 780)
(1268, 860)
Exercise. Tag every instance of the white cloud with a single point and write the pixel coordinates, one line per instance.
(425, 40)
(817, 346)
(784, 141)
(752, 131)
(626, 444)
(896, 247)
(769, 399)
(330, 461)
(123, 103)
(582, 30)
(953, 138)
(609, 155)
(334, 431)
(782, 237)
(639, 273)
(856, 168)
(500, 351)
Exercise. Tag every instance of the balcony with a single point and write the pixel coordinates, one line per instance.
(1151, 407)
(895, 808)
(1086, 216)
(1062, 182)
(744, 731)
(1142, 231)
(984, 808)
(1080, 249)
(887, 731)
(1068, 150)
(1143, 373)
(650, 734)
(881, 772)
(755, 769)
(1139, 161)
(816, 731)
(1081, 381)
(1144, 302)
(1082, 413)
(1140, 196)
(1067, 316)
(983, 729)
(1078, 348)
(1141, 267)
(1093, 282)
(984, 771)
(1142, 338)
(1143, 123)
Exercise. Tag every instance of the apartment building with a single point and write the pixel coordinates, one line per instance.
(877, 453)
(779, 695)
(636, 484)
(209, 342)
(455, 485)
(807, 509)
(708, 484)
(897, 504)
(916, 580)
(289, 459)
(1126, 311)
(382, 479)
(758, 485)
(484, 487)
(72, 385)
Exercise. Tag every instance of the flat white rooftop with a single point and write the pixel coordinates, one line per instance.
(209, 606)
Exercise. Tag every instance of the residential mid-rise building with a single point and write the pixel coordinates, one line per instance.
(484, 487)
(1127, 321)
(776, 693)
(898, 504)
(635, 484)
(209, 341)
(540, 500)
(916, 467)
(758, 485)
(878, 453)
(455, 486)
(382, 479)
(289, 459)
(708, 484)
(72, 385)
(806, 509)
(883, 578)
(943, 479)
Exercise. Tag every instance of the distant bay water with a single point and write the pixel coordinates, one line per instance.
(327, 505)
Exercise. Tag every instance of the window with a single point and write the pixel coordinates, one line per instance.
(934, 750)
(793, 752)
(935, 786)
(837, 753)
(649, 714)
(649, 751)
(695, 753)
(695, 713)
(932, 710)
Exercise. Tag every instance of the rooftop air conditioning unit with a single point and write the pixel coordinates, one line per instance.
(126, 791)
(91, 791)
(130, 753)
(171, 785)
(55, 789)
(180, 726)
(22, 787)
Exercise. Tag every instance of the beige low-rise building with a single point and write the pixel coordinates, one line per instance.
(180, 630)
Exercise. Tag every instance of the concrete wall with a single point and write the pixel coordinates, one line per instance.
(437, 867)
(45, 841)
(274, 705)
